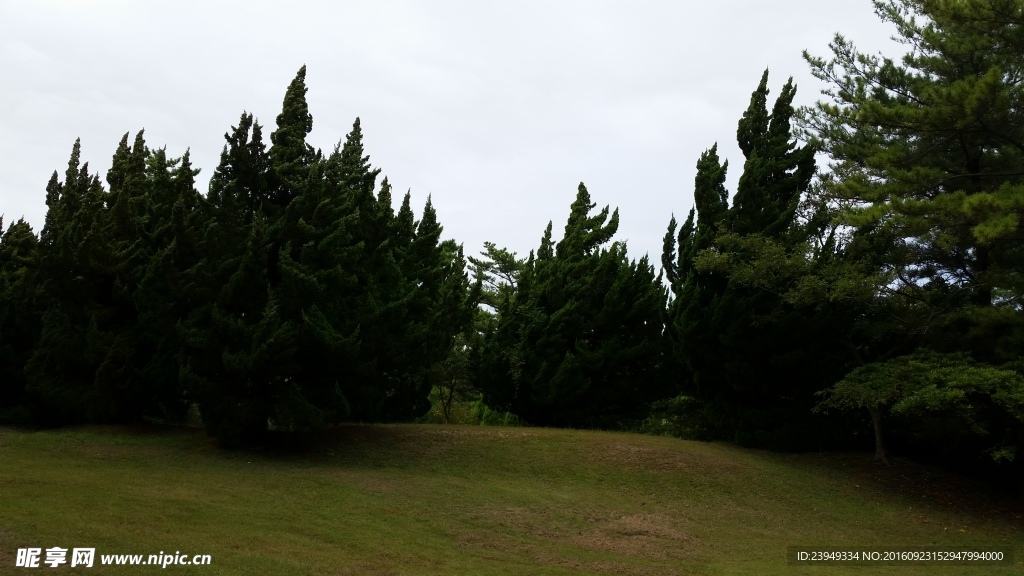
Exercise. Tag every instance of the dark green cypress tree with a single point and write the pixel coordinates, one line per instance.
(19, 320)
(162, 296)
(290, 156)
(754, 358)
(92, 359)
(256, 349)
(692, 347)
(372, 304)
(580, 342)
(319, 294)
(776, 171)
(241, 183)
(290, 297)
(77, 265)
(228, 366)
(413, 299)
(314, 268)
(403, 228)
(441, 306)
(125, 393)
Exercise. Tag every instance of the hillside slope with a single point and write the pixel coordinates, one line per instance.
(426, 499)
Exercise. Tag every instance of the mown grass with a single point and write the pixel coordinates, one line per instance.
(429, 499)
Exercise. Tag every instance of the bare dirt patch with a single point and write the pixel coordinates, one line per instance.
(548, 536)
(639, 535)
(649, 535)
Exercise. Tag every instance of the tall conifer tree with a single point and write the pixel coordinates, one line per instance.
(227, 359)
(754, 358)
(580, 342)
(19, 319)
(163, 296)
(77, 265)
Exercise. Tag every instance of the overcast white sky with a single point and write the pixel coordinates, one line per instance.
(497, 109)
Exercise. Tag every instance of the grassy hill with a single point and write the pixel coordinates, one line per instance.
(427, 499)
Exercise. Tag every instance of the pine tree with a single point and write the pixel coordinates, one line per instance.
(926, 158)
(928, 152)
(497, 273)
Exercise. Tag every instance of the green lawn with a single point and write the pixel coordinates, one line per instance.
(429, 499)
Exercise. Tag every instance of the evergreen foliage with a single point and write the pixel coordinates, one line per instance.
(929, 154)
(81, 295)
(19, 321)
(926, 177)
(163, 296)
(288, 298)
(578, 343)
(751, 357)
(332, 306)
(498, 273)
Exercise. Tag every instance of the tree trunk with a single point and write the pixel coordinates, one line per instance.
(446, 403)
(876, 421)
(982, 263)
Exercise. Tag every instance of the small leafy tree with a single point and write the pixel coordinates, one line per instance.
(985, 400)
(450, 377)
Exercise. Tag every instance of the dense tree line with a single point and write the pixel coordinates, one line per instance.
(878, 295)
(888, 281)
(891, 282)
(289, 297)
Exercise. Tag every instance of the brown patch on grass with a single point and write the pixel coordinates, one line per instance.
(539, 533)
(531, 521)
(650, 535)
(639, 535)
